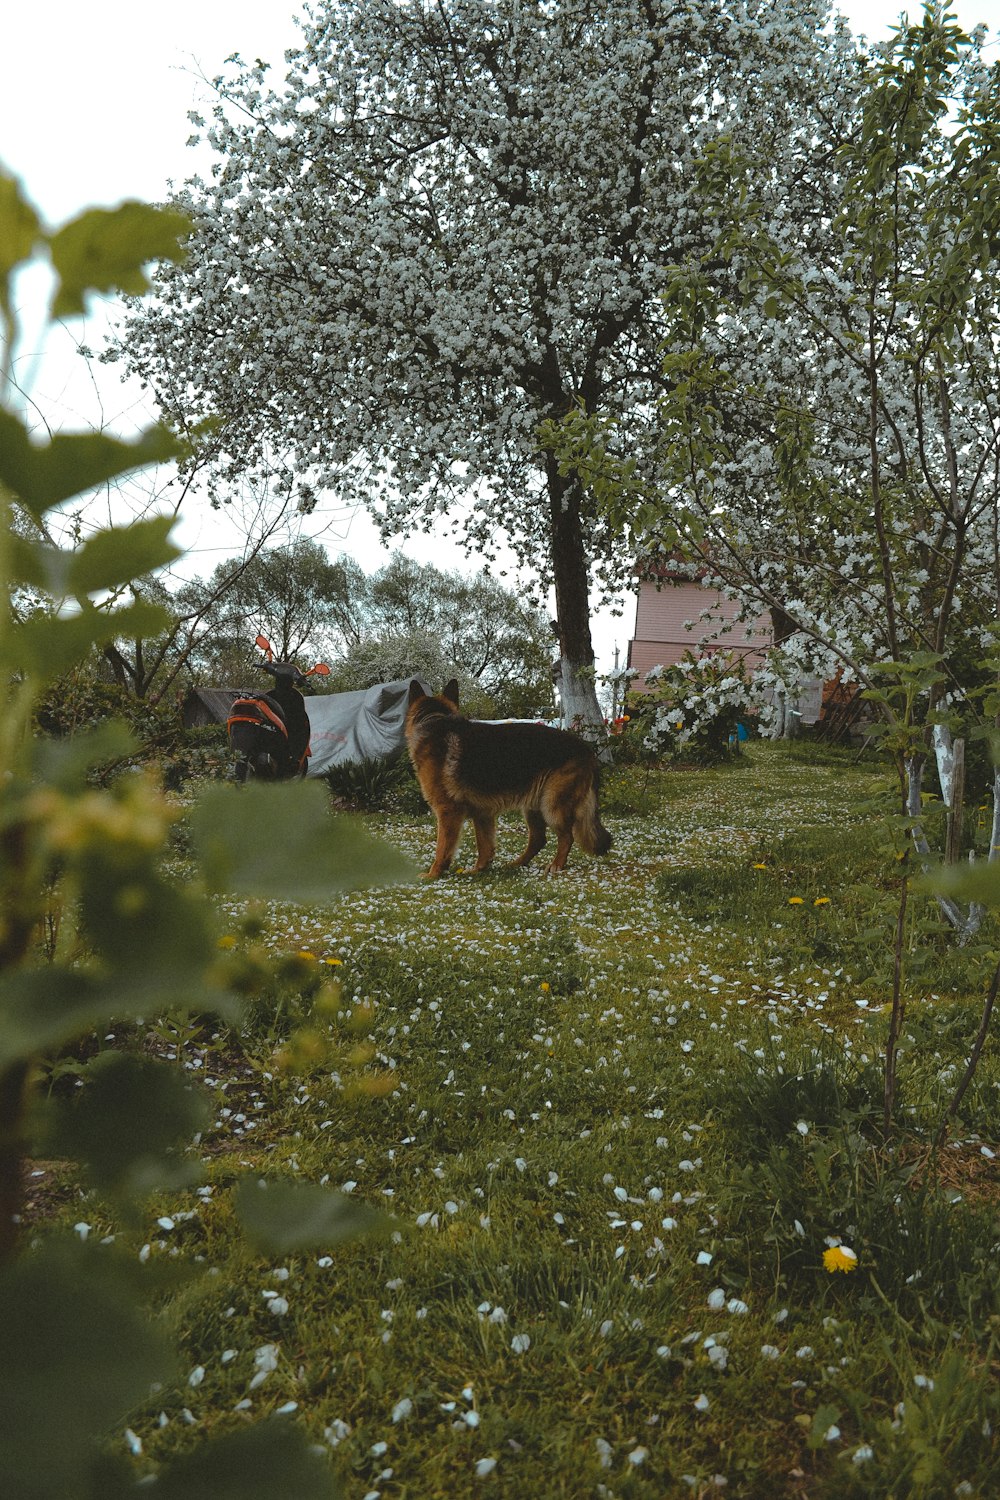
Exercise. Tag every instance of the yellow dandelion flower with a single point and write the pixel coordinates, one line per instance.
(760, 865)
(822, 901)
(228, 941)
(305, 953)
(840, 1258)
(545, 986)
(333, 961)
(795, 900)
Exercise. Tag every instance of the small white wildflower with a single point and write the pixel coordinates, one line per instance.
(717, 1299)
(638, 1456)
(737, 1306)
(768, 1351)
(863, 1455)
(520, 1343)
(485, 1466)
(402, 1409)
(703, 1258)
(197, 1375)
(134, 1441)
(701, 1403)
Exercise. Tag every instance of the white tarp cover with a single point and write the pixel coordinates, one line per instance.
(368, 725)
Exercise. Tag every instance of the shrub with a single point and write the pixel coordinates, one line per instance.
(694, 708)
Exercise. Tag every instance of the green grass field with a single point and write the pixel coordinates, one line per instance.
(614, 1119)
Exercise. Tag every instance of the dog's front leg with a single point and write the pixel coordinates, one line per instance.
(449, 830)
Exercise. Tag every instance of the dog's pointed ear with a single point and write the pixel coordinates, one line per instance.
(416, 693)
(450, 691)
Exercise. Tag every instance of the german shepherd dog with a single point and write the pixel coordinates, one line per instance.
(473, 770)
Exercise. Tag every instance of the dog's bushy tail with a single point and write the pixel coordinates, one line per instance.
(588, 830)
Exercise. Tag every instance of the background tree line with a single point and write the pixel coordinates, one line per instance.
(405, 618)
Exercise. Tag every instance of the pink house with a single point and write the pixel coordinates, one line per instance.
(663, 612)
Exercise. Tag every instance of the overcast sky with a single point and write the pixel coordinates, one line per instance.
(93, 109)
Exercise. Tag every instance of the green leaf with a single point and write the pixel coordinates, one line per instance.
(78, 1355)
(114, 556)
(64, 763)
(47, 645)
(156, 939)
(824, 1419)
(282, 843)
(43, 1008)
(281, 1217)
(267, 1460)
(44, 474)
(965, 882)
(120, 554)
(105, 249)
(128, 1124)
(19, 231)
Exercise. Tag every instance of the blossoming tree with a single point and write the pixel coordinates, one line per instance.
(830, 425)
(448, 225)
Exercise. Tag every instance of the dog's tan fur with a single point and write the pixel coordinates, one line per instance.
(474, 770)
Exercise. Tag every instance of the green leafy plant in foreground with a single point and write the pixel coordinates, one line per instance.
(80, 1349)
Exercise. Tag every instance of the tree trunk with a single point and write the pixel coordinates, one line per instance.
(570, 575)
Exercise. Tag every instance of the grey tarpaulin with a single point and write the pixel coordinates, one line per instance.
(366, 725)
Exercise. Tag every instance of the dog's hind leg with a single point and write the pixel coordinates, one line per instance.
(449, 831)
(536, 836)
(485, 826)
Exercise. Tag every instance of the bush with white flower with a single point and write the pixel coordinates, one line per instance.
(692, 709)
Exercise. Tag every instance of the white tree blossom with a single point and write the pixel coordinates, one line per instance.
(450, 224)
